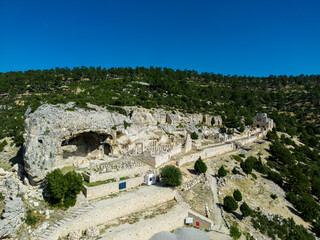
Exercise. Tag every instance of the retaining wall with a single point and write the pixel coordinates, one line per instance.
(109, 188)
(118, 174)
(110, 209)
(206, 153)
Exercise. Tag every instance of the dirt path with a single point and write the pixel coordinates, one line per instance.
(219, 224)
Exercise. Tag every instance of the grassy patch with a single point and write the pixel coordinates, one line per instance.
(237, 158)
(97, 183)
(67, 169)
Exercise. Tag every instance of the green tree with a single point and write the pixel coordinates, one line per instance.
(194, 136)
(230, 204)
(275, 177)
(63, 189)
(200, 166)
(237, 195)
(171, 175)
(248, 164)
(245, 209)
(222, 172)
(316, 227)
(280, 154)
(56, 186)
(235, 232)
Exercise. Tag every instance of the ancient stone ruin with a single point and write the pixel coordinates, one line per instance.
(59, 136)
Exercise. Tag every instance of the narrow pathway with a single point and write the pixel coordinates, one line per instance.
(219, 224)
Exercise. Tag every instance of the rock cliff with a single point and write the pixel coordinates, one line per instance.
(56, 135)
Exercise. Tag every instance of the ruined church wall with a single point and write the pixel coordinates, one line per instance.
(93, 177)
(111, 209)
(106, 189)
(165, 157)
(206, 153)
(253, 138)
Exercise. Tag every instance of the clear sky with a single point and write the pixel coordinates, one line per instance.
(243, 37)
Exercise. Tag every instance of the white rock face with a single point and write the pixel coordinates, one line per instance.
(53, 133)
(48, 125)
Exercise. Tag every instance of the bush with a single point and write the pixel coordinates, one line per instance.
(245, 210)
(235, 232)
(200, 166)
(316, 227)
(235, 171)
(63, 189)
(275, 177)
(126, 124)
(237, 195)
(222, 172)
(2, 197)
(31, 218)
(237, 158)
(229, 204)
(70, 201)
(248, 164)
(273, 196)
(254, 176)
(194, 136)
(171, 175)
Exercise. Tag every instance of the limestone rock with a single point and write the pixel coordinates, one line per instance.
(92, 232)
(61, 135)
(12, 214)
(75, 235)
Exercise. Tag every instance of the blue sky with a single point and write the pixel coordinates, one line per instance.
(256, 37)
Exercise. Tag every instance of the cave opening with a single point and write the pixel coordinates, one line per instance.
(83, 144)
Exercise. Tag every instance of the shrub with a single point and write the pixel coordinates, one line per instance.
(200, 166)
(275, 177)
(171, 175)
(237, 195)
(273, 196)
(63, 189)
(316, 227)
(235, 232)
(194, 136)
(70, 200)
(229, 204)
(245, 210)
(235, 171)
(222, 172)
(126, 124)
(248, 164)
(31, 218)
(237, 158)
(254, 176)
(2, 197)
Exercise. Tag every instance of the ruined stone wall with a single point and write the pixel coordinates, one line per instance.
(165, 157)
(110, 209)
(93, 177)
(253, 138)
(206, 153)
(109, 188)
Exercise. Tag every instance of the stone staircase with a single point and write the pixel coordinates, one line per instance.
(70, 216)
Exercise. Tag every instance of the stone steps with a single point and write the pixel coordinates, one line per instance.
(71, 215)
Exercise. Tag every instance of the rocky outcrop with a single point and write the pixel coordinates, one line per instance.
(56, 135)
(49, 125)
(13, 210)
(12, 214)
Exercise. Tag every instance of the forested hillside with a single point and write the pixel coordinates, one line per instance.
(292, 101)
